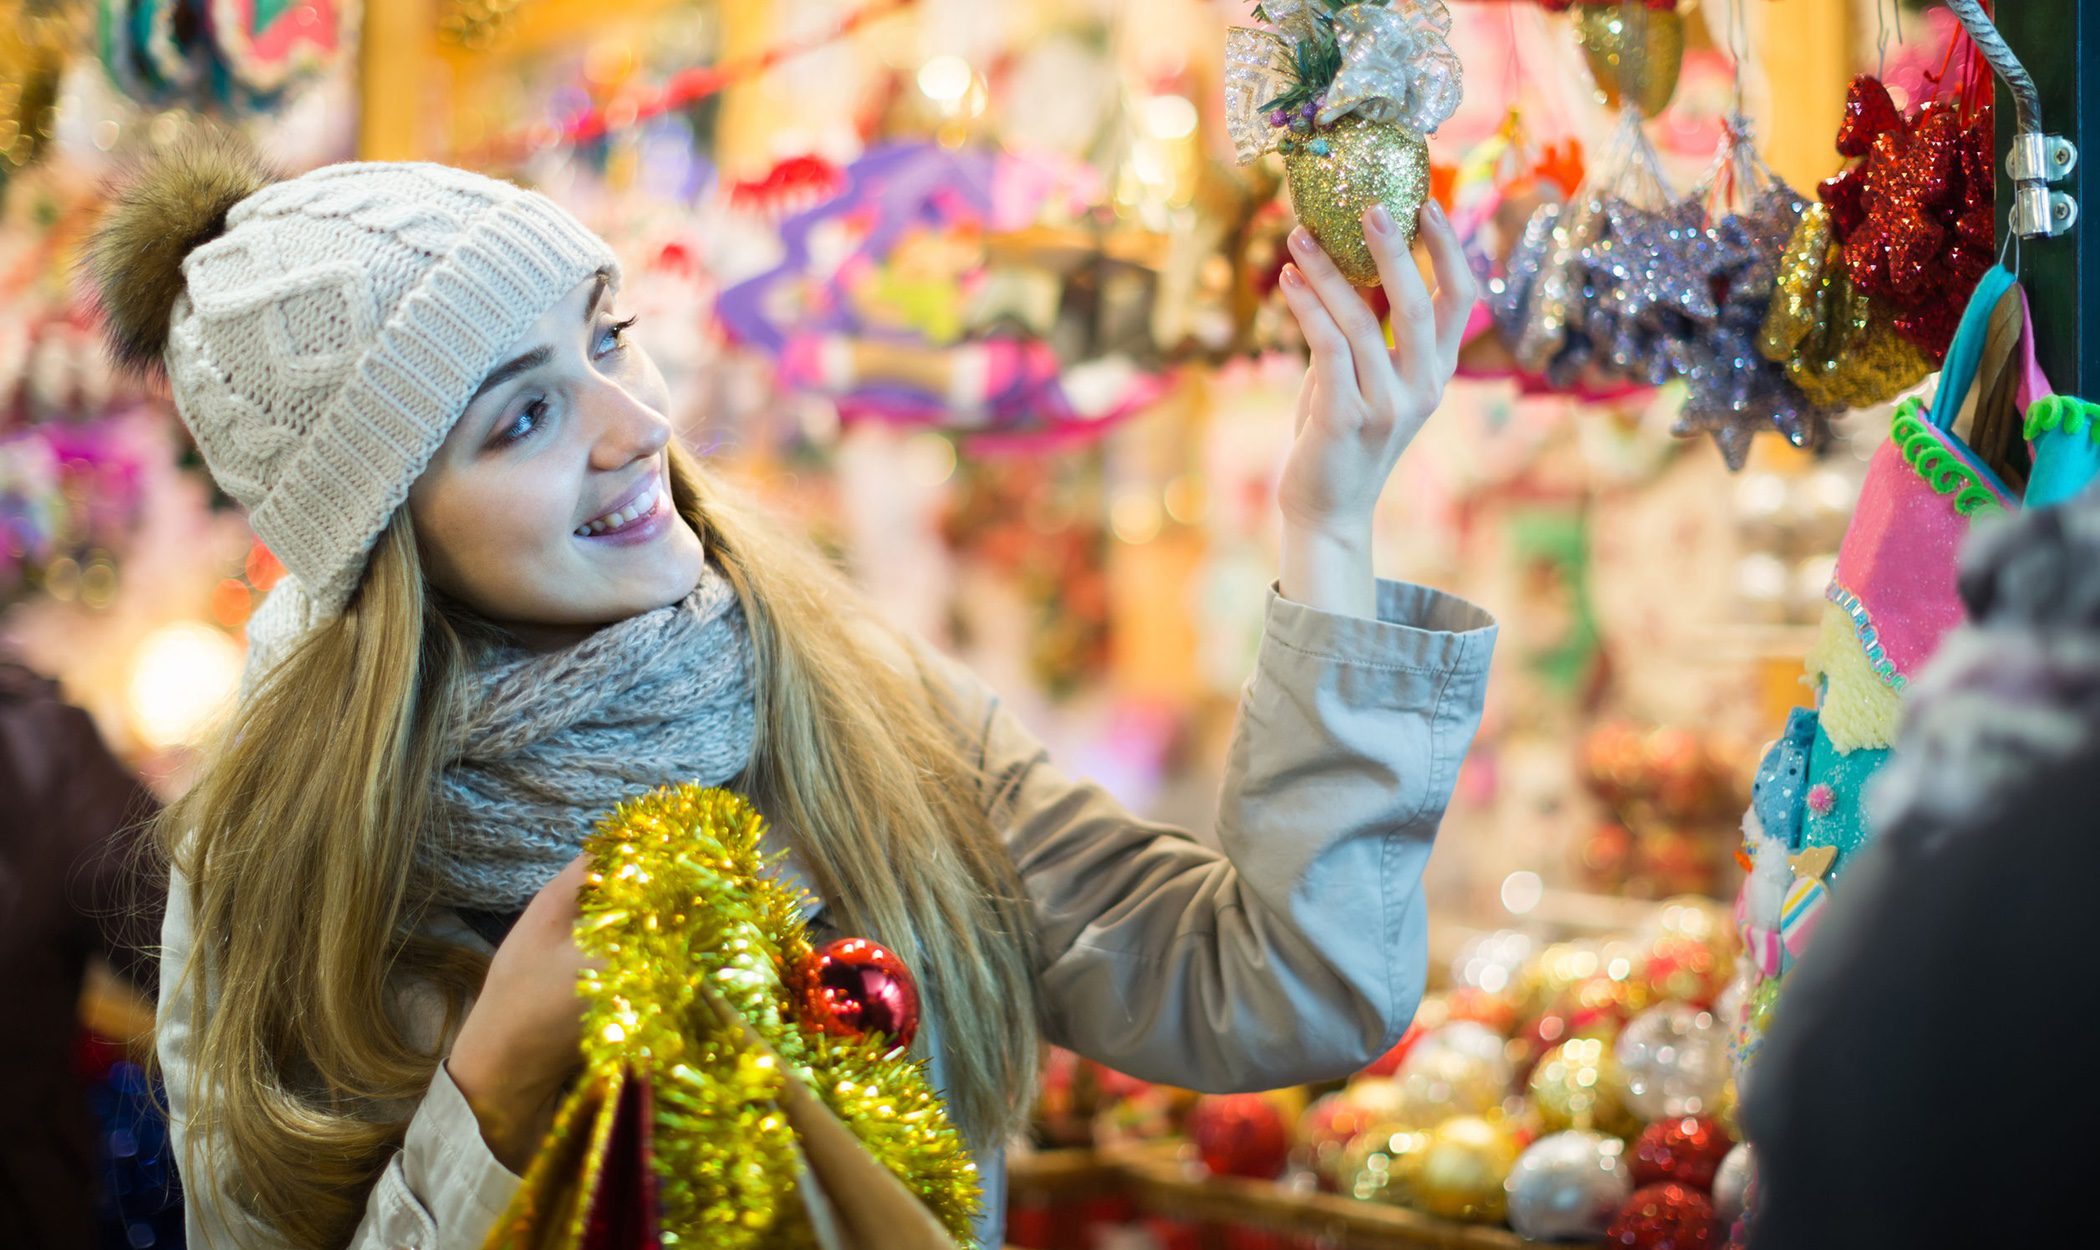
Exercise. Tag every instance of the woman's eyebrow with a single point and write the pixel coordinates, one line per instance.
(538, 356)
(509, 369)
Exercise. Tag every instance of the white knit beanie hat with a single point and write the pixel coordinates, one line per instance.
(322, 334)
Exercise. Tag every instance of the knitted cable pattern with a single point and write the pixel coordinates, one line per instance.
(542, 745)
(328, 340)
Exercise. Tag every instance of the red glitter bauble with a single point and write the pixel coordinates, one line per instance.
(1687, 1149)
(1841, 194)
(853, 988)
(1868, 112)
(1240, 1135)
(1664, 1217)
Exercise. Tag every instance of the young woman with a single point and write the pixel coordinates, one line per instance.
(513, 600)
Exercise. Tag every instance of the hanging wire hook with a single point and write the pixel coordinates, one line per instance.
(2036, 159)
(1881, 36)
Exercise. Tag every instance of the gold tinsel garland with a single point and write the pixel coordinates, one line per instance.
(679, 909)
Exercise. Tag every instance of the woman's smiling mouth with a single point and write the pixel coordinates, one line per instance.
(647, 504)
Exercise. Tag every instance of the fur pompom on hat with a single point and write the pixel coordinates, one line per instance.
(135, 260)
(322, 334)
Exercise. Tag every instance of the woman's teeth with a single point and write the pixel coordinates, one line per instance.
(632, 512)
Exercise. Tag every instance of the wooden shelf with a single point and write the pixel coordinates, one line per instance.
(1161, 1183)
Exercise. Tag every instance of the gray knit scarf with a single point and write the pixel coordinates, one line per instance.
(544, 744)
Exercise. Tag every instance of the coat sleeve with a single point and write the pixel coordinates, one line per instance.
(1299, 952)
(442, 1190)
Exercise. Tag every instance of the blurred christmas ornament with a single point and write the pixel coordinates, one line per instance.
(1389, 1062)
(1691, 916)
(1463, 1170)
(1635, 53)
(35, 38)
(1685, 970)
(1553, 972)
(1066, 1100)
(1441, 1084)
(1346, 93)
(1567, 1187)
(1732, 1183)
(1469, 1039)
(1685, 1149)
(1495, 1011)
(855, 988)
(1240, 1135)
(1150, 1114)
(1324, 1133)
(1675, 1060)
(1577, 1085)
(1663, 1217)
(1492, 961)
(1382, 1164)
(1376, 1099)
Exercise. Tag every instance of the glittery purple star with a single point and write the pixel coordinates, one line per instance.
(1649, 260)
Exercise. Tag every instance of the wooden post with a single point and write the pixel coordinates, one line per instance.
(2055, 41)
(394, 79)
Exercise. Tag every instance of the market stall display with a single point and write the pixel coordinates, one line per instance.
(985, 297)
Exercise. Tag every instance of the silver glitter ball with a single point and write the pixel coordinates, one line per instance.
(1568, 1186)
(1732, 1185)
(1675, 1059)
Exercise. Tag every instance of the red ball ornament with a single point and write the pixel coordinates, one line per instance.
(1688, 1150)
(1389, 1062)
(853, 987)
(1664, 1217)
(1240, 1135)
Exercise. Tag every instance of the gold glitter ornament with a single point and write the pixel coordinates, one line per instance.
(1635, 52)
(1337, 175)
(1381, 1163)
(1577, 1085)
(1840, 345)
(1797, 308)
(1436, 1085)
(1462, 1170)
(691, 934)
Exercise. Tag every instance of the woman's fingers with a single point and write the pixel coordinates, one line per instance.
(1414, 329)
(1455, 287)
(1348, 311)
(1331, 356)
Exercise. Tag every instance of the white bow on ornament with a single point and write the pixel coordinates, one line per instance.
(1387, 61)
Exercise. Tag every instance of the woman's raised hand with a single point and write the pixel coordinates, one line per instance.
(1363, 400)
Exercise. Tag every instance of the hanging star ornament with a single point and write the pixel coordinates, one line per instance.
(1913, 215)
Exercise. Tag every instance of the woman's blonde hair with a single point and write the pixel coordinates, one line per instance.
(301, 843)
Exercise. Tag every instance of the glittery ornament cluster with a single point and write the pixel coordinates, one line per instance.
(678, 903)
(1838, 345)
(1345, 92)
(1733, 391)
(1606, 285)
(1914, 213)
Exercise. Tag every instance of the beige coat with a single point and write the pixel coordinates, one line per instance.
(1296, 954)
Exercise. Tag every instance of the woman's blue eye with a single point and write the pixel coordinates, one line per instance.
(616, 335)
(522, 425)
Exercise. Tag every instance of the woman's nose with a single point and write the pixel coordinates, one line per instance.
(623, 428)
